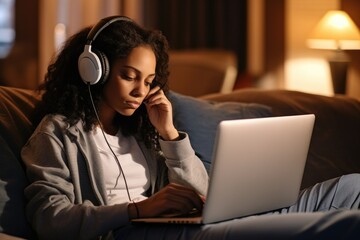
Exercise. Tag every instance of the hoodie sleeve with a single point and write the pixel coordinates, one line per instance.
(184, 167)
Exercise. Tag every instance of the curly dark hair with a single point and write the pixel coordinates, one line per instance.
(65, 93)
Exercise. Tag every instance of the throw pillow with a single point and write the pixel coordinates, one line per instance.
(200, 118)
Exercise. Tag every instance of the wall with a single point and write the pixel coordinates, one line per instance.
(276, 59)
(20, 67)
(266, 43)
(306, 69)
(352, 7)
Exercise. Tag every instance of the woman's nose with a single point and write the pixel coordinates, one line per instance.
(140, 90)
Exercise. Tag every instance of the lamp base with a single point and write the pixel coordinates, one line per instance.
(338, 68)
(338, 72)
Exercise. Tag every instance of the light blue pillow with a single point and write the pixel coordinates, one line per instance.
(200, 118)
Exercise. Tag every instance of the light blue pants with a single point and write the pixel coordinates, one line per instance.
(328, 210)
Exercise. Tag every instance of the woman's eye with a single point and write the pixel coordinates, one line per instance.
(127, 77)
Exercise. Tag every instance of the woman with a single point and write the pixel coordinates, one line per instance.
(98, 161)
(106, 151)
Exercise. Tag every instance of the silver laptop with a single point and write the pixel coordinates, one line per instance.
(257, 167)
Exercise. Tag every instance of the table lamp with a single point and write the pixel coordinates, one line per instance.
(336, 31)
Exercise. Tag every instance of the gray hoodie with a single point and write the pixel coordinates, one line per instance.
(67, 196)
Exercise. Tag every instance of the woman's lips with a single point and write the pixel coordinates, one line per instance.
(132, 104)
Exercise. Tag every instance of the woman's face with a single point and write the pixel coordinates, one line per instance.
(129, 81)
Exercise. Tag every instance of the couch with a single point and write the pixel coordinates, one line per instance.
(334, 148)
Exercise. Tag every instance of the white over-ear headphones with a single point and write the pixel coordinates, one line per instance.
(93, 65)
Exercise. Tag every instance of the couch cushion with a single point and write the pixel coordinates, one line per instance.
(15, 127)
(200, 118)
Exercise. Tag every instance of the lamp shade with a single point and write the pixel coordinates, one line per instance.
(336, 30)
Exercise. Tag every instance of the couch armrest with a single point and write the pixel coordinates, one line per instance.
(16, 106)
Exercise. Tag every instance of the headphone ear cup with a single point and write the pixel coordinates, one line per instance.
(93, 66)
(89, 66)
(104, 66)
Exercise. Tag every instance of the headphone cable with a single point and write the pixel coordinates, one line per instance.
(121, 172)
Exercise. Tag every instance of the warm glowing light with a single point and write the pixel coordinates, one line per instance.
(335, 30)
(59, 35)
(338, 21)
(310, 75)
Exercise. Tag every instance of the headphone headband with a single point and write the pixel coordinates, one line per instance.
(101, 25)
(93, 66)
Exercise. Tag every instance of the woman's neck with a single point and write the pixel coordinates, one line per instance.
(107, 116)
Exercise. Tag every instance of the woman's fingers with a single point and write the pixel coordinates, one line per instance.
(185, 196)
(174, 199)
(152, 93)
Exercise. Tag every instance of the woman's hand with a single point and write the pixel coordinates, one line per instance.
(172, 200)
(160, 113)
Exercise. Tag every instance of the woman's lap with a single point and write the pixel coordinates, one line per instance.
(338, 193)
(343, 224)
(310, 217)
